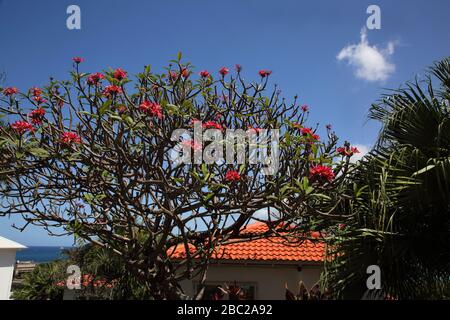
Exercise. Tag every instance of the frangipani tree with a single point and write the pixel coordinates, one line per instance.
(94, 157)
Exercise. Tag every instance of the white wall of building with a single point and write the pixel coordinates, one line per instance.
(269, 279)
(8, 250)
(7, 262)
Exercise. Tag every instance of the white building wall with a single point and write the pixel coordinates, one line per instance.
(7, 262)
(270, 280)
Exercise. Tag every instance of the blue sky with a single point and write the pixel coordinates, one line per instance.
(299, 40)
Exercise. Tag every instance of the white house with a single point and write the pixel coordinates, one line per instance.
(8, 250)
(262, 267)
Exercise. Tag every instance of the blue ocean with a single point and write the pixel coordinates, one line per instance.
(40, 254)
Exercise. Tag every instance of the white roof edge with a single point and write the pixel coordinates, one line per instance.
(9, 244)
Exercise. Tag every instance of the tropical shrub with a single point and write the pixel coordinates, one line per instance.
(401, 199)
(41, 283)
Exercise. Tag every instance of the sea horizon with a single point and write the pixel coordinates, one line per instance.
(41, 254)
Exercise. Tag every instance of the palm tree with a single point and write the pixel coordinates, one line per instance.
(402, 197)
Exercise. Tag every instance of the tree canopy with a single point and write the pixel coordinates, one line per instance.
(94, 157)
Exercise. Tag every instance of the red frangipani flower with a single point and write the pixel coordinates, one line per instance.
(151, 108)
(305, 108)
(112, 90)
(308, 132)
(37, 115)
(185, 72)
(78, 60)
(264, 73)
(254, 129)
(36, 91)
(119, 74)
(173, 75)
(204, 74)
(22, 126)
(212, 125)
(238, 68)
(347, 151)
(10, 91)
(68, 138)
(224, 71)
(232, 176)
(95, 78)
(341, 151)
(321, 172)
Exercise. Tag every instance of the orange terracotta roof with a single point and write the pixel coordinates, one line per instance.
(271, 249)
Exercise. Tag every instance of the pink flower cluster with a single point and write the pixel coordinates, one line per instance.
(10, 91)
(68, 138)
(212, 125)
(264, 73)
(78, 60)
(151, 108)
(119, 74)
(308, 132)
(321, 172)
(22, 126)
(347, 151)
(36, 93)
(37, 115)
(224, 71)
(95, 78)
(204, 74)
(232, 176)
(112, 90)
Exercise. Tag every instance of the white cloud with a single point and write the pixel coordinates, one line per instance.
(363, 150)
(370, 63)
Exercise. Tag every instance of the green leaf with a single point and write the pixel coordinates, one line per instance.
(208, 196)
(88, 197)
(105, 107)
(19, 154)
(115, 117)
(285, 188)
(39, 152)
(321, 196)
(423, 170)
(129, 120)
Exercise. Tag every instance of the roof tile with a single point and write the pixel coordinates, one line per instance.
(266, 249)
